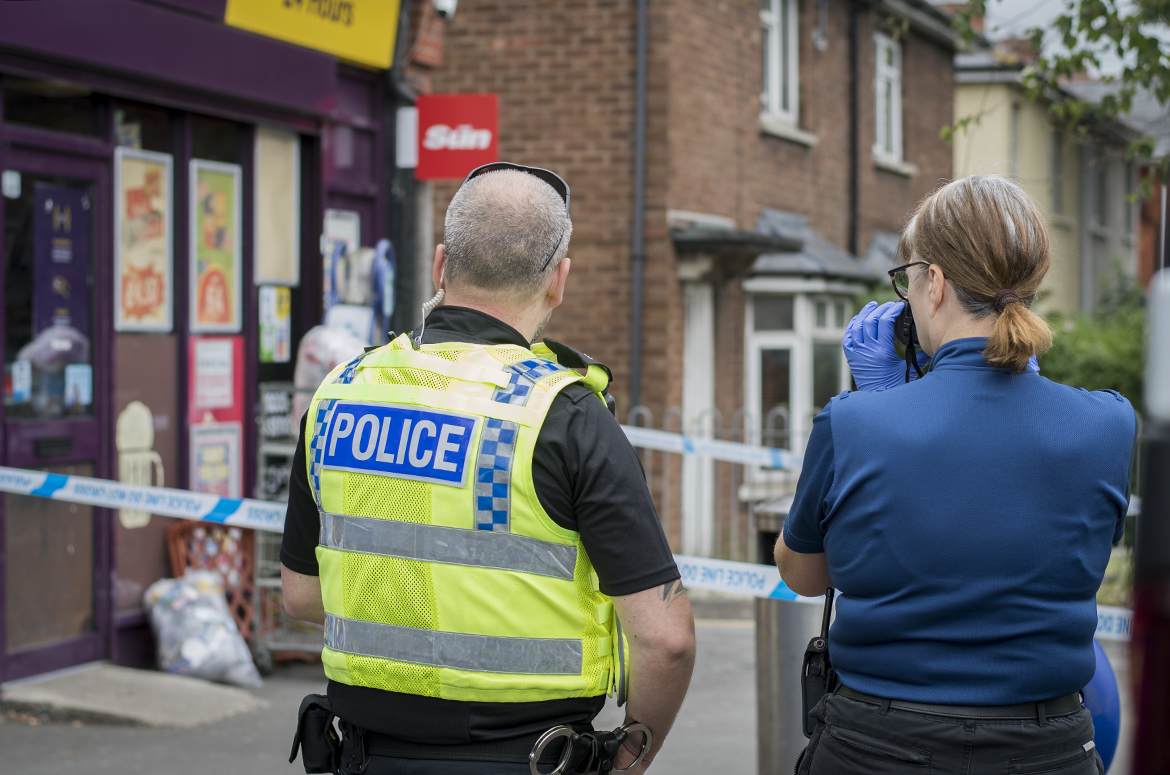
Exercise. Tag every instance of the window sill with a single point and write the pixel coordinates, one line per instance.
(779, 127)
(898, 167)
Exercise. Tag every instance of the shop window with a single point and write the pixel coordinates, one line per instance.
(826, 372)
(775, 395)
(772, 312)
(142, 126)
(48, 252)
(55, 105)
(214, 139)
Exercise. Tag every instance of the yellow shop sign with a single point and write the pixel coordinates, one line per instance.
(361, 31)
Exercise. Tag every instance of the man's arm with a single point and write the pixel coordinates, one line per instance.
(660, 628)
(805, 574)
(302, 596)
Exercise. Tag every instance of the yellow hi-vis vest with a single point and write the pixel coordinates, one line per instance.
(441, 573)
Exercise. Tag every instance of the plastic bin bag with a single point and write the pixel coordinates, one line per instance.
(322, 349)
(194, 631)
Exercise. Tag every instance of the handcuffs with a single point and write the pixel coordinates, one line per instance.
(589, 753)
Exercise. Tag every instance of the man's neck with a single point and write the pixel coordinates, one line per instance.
(525, 319)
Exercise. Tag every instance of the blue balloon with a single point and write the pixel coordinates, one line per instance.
(1103, 701)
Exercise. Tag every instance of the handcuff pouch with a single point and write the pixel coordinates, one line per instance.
(318, 741)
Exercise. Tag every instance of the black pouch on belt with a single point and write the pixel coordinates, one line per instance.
(316, 738)
(817, 677)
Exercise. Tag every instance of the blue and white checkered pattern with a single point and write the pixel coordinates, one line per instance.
(349, 372)
(317, 448)
(525, 374)
(493, 499)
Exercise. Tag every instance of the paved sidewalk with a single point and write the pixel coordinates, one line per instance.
(715, 732)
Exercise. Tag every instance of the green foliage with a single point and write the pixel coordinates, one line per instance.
(1076, 42)
(1104, 350)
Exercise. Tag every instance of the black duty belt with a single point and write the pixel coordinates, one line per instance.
(1038, 710)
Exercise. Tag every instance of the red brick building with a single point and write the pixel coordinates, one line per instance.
(758, 113)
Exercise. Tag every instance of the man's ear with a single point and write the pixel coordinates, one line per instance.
(556, 288)
(438, 267)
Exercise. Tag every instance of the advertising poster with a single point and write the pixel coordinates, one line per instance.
(143, 283)
(275, 324)
(216, 374)
(277, 208)
(216, 414)
(215, 247)
(61, 274)
(215, 459)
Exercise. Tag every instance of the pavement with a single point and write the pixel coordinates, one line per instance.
(715, 731)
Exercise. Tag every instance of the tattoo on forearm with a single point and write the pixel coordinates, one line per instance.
(671, 590)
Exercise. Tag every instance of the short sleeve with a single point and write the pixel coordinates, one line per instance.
(302, 521)
(802, 529)
(588, 478)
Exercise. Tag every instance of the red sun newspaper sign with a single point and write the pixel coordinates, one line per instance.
(456, 134)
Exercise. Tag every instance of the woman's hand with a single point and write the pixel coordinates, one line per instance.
(869, 348)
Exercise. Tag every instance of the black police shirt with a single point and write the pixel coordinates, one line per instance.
(588, 479)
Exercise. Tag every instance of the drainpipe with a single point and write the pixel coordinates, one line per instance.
(638, 248)
(854, 126)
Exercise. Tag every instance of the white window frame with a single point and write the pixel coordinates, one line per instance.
(887, 146)
(781, 71)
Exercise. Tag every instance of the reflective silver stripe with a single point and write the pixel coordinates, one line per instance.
(448, 545)
(479, 653)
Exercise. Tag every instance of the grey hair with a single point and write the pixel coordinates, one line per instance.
(500, 228)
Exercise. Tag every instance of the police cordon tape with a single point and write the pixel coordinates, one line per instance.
(727, 576)
(163, 501)
(728, 451)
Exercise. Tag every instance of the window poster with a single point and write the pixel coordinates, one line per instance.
(216, 414)
(143, 284)
(215, 247)
(275, 324)
(277, 207)
(61, 273)
(216, 374)
(215, 459)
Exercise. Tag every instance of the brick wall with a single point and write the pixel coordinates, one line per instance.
(565, 76)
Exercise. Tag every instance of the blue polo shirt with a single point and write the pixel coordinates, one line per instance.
(967, 519)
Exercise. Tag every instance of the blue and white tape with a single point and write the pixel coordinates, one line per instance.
(729, 451)
(727, 576)
(745, 578)
(164, 501)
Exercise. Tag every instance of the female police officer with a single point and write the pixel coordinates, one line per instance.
(966, 518)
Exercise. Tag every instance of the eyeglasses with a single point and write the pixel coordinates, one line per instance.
(900, 279)
(553, 179)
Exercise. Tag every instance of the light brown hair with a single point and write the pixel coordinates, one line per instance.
(987, 236)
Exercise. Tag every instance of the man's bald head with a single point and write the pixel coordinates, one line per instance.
(499, 229)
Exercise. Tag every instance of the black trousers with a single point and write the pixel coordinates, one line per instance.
(389, 765)
(853, 736)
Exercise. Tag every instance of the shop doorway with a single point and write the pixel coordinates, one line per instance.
(57, 555)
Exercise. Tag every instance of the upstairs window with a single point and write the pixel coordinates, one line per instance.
(781, 89)
(887, 83)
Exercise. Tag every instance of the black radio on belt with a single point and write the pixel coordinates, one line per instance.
(817, 677)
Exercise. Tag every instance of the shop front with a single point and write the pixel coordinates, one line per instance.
(167, 171)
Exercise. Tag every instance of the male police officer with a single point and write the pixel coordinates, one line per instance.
(471, 524)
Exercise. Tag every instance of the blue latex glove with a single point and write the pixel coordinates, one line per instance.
(869, 348)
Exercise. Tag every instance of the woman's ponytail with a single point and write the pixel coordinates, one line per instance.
(1019, 334)
(991, 242)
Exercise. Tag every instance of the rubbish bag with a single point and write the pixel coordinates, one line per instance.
(322, 349)
(194, 631)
